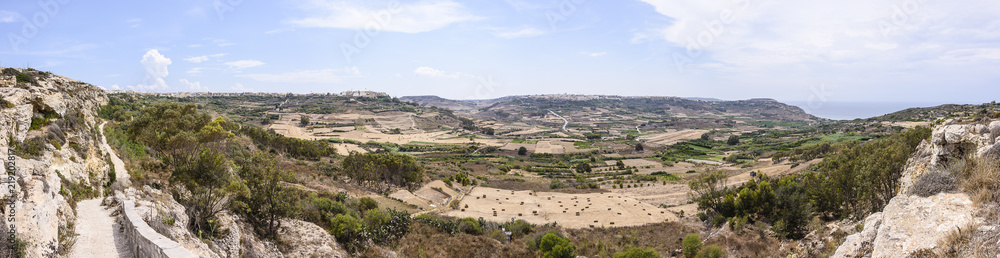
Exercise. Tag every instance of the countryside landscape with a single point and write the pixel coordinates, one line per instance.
(576, 154)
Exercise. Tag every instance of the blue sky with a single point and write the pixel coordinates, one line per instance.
(851, 50)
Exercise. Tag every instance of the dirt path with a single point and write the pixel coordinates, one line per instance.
(565, 122)
(121, 175)
(96, 234)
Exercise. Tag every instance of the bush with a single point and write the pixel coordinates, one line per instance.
(635, 252)
(691, 245)
(556, 246)
(348, 230)
(470, 226)
(933, 183)
(522, 151)
(712, 251)
(518, 228)
(556, 184)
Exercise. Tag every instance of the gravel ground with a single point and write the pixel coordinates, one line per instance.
(97, 234)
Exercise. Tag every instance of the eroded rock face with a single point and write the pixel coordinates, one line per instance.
(949, 142)
(308, 240)
(41, 212)
(859, 244)
(911, 223)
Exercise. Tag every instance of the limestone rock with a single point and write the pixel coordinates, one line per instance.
(308, 240)
(911, 223)
(861, 243)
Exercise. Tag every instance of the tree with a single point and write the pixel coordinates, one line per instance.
(522, 151)
(263, 199)
(381, 170)
(733, 140)
(620, 164)
(304, 120)
(168, 126)
(553, 245)
(205, 176)
(690, 245)
(708, 191)
(706, 136)
(583, 167)
(638, 147)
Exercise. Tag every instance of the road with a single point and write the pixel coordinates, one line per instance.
(565, 122)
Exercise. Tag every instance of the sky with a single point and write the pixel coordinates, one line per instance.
(811, 52)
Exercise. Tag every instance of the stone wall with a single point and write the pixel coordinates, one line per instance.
(146, 242)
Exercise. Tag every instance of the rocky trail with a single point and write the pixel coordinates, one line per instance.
(97, 234)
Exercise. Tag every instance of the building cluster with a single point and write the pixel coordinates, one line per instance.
(369, 94)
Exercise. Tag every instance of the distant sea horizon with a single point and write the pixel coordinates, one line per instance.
(853, 110)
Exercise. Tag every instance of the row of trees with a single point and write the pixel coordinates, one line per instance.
(380, 171)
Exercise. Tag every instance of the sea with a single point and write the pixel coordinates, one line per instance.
(854, 110)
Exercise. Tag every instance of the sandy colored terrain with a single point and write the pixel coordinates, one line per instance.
(672, 137)
(568, 210)
(635, 162)
(347, 148)
(549, 147)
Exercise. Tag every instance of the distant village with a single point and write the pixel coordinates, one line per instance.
(355, 93)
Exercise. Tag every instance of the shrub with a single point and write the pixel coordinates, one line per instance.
(470, 226)
(556, 246)
(518, 228)
(711, 251)
(556, 184)
(933, 183)
(635, 252)
(522, 151)
(691, 245)
(348, 230)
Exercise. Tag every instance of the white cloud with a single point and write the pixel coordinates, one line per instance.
(193, 85)
(195, 71)
(308, 76)
(524, 32)
(199, 59)
(116, 87)
(239, 88)
(858, 34)
(435, 73)
(594, 54)
(243, 64)
(155, 65)
(134, 23)
(416, 17)
(8, 17)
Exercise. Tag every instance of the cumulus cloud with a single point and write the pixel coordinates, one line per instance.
(307, 76)
(193, 85)
(155, 65)
(415, 17)
(435, 73)
(243, 64)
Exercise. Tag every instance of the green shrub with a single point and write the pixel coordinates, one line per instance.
(691, 245)
(366, 203)
(556, 246)
(518, 228)
(470, 226)
(712, 251)
(635, 252)
(348, 230)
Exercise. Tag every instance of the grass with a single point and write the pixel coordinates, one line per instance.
(583, 145)
(979, 178)
(524, 141)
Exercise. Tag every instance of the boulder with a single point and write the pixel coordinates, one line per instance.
(861, 243)
(911, 223)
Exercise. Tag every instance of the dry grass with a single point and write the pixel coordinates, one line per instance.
(604, 242)
(427, 241)
(980, 179)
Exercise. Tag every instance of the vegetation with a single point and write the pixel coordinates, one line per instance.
(551, 244)
(933, 183)
(380, 171)
(262, 198)
(522, 151)
(635, 252)
(691, 244)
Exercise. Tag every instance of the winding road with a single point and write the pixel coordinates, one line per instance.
(565, 122)
(95, 226)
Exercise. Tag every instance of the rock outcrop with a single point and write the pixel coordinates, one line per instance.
(909, 222)
(61, 147)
